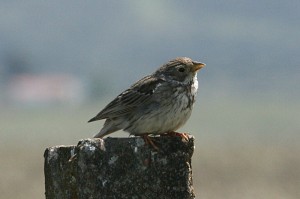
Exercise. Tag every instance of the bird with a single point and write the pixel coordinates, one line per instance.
(159, 103)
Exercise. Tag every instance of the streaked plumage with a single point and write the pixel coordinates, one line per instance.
(158, 103)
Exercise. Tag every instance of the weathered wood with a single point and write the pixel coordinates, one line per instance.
(120, 168)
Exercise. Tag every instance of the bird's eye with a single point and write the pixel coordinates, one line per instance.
(181, 69)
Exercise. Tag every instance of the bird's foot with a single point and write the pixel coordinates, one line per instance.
(148, 141)
(184, 136)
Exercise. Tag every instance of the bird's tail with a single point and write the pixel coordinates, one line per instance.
(108, 128)
(101, 134)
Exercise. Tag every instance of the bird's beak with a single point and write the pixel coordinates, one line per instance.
(197, 66)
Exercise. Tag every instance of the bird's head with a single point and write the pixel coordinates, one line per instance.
(181, 69)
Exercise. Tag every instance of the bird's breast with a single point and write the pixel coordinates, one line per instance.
(169, 108)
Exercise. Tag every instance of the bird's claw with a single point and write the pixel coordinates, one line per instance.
(184, 136)
(148, 141)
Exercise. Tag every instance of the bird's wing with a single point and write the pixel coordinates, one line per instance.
(127, 101)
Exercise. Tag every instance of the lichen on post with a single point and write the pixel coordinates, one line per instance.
(120, 168)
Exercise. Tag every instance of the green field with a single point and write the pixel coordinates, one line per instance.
(244, 148)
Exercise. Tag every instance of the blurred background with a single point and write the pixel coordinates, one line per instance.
(61, 62)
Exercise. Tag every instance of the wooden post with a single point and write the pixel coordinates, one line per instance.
(120, 168)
